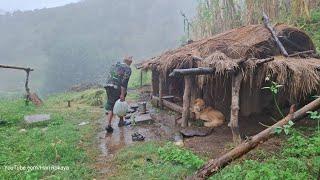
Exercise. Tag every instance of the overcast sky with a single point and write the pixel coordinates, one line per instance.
(11, 5)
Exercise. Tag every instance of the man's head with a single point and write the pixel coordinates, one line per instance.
(128, 60)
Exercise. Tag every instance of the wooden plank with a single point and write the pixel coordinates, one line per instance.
(169, 105)
(186, 101)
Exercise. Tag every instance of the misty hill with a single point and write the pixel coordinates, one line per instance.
(76, 43)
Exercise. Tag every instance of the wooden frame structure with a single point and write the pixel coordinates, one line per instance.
(27, 70)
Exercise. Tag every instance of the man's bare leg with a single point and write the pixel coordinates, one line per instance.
(109, 128)
(109, 118)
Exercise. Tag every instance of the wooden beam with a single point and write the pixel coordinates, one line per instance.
(169, 105)
(192, 71)
(202, 70)
(267, 24)
(186, 101)
(161, 84)
(235, 107)
(16, 67)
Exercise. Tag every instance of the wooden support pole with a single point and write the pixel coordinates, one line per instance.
(161, 84)
(141, 78)
(186, 101)
(235, 107)
(27, 86)
(267, 24)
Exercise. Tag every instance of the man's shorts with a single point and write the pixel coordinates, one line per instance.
(113, 95)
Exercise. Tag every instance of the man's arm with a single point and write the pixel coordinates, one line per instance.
(124, 85)
(123, 92)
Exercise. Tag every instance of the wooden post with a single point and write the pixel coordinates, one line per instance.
(141, 78)
(27, 86)
(186, 101)
(234, 116)
(161, 84)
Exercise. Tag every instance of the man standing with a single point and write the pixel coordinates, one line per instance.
(116, 88)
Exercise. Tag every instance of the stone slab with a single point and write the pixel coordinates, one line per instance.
(37, 118)
(144, 119)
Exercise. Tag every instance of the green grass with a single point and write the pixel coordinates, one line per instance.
(59, 142)
(153, 160)
(299, 159)
(312, 27)
(134, 81)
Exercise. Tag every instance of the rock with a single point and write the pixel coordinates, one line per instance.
(22, 130)
(196, 131)
(44, 129)
(134, 106)
(143, 119)
(37, 118)
(83, 123)
(178, 139)
(131, 110)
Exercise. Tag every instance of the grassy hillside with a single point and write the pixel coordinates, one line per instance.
(59, 142)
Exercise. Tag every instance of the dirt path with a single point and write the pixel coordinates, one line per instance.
(110, 144)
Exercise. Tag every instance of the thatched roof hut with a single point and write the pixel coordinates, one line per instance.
(252, 53)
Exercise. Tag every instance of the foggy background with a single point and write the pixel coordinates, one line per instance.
(76, 43)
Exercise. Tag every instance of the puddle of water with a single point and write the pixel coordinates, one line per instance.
(121, 136)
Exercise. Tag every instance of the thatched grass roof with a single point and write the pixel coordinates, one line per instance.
(222, 52)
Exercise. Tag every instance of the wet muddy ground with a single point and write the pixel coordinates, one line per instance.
(164, 128)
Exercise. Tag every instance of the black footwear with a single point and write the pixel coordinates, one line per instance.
(124, 123)
(109, 129)
(137, 137)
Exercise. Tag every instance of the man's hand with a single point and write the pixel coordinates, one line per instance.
(122, 95)
(122, 98)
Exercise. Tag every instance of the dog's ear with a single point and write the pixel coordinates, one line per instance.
(197, 101)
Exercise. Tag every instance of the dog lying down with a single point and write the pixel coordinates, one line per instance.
(212, 117)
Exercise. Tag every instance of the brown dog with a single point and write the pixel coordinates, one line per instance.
(213, 118)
